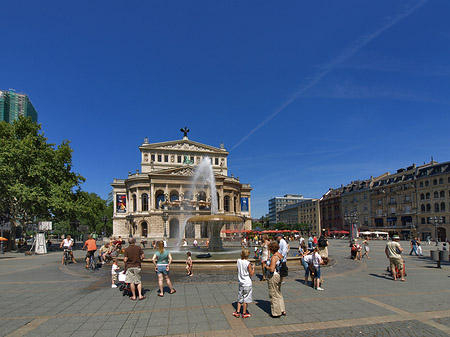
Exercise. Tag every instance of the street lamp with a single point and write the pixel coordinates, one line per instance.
(351, 219)
(165, 217)
(104, 219)
(436, 221)
(129, 218)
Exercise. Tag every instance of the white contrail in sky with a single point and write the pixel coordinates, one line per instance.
(345, 55)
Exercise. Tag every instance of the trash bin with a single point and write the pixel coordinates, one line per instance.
(443, 255)
(434, 255)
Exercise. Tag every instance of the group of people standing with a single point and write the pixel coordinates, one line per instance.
(273, 263)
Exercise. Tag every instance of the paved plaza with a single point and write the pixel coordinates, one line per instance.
(39, 297)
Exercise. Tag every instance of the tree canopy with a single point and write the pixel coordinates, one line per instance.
(36, 178)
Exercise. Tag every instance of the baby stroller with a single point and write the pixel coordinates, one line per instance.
(124, 287)
(397, 271)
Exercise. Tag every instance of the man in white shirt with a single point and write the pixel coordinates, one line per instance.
(67, 244)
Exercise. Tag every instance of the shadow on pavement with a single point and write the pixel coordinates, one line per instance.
(264, 305)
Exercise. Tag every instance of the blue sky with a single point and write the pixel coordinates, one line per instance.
(305, 95)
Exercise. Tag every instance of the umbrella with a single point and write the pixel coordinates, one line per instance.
(3, 239)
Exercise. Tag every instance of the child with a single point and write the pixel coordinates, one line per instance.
(189, 264)
(114, 270)
(366, 249)
(245, 271)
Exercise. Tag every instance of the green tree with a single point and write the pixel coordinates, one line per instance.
(36, 178)
(90, 211)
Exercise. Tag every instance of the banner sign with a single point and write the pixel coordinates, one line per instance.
(244, 204)
(121, 203)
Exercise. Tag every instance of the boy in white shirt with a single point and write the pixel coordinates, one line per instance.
(114, 270)
(245, 271)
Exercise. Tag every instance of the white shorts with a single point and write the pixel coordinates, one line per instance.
(245, 294)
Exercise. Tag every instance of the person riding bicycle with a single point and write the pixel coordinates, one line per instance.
(91, 248)
(67, 243)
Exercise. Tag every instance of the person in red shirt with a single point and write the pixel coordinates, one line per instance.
(91, 248)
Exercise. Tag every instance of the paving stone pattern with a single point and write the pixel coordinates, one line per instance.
(39, 297)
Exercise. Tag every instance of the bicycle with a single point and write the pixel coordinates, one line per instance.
(92, 263)
(67, 256)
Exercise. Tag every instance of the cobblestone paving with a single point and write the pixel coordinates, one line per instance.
(39, 297)
(400, 329)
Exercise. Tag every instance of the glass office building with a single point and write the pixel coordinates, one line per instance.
(13, 105)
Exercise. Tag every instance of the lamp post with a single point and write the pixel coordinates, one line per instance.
(104, 219)
(351, 219)
(130, 220)
(165, 217)
(436, 221)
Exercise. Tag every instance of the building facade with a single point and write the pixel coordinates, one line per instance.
(331, 210)
(163, 188)
(433, 200)
(13, 105)
(278, 204)
(394, 203)
(305, 212)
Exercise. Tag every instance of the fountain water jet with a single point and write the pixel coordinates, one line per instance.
(204, 175)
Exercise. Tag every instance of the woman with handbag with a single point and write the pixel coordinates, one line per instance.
(274, 281)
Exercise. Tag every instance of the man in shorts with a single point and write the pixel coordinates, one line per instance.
(393, 251)
(133, 256)
(67, 244)
(91, 248)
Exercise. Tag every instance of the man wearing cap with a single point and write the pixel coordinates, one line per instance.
(393, 251)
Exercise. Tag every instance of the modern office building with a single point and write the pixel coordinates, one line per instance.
(278, 204)
(13, 105)
(306, 212)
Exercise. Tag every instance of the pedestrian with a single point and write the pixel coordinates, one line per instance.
(413, 246)
(195, 243)
(264, 254)
(245, 271)
(419, 247)
(162, 260)
(393, 251)
(317, 261)
(189, 264)
(366, 249)
(133, 256)
(322, 243)
(272, 267)
(306, 260)
(284, 249)
(114, 269)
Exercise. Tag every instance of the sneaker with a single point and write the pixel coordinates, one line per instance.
(113, 286)
(236, 314)
(319, 288)
(247, 315)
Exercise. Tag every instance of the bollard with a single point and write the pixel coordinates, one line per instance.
(443, 255)
(435, 257)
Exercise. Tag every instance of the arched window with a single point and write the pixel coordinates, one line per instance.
(442, 194)
(436, 207)
(422, 196)
(159, 198)
(174, 196)
(427, 183)
(434, 181)
(442, 206)
(428, 195)
(422, 208)
(134, 202)
(436, 194)
(226, 203)
(144, 200)
(201, 196)
(428, 208)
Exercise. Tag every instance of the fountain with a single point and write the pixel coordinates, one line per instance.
(214, 222)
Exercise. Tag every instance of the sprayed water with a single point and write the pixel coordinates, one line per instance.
(202, 179)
